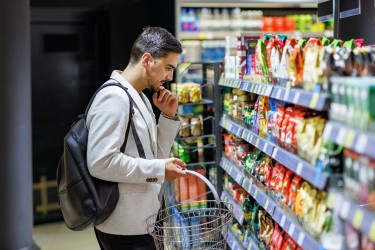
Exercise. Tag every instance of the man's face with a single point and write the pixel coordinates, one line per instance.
(161, 71)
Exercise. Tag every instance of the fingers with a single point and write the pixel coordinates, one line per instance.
(166, 96)
(179, 162)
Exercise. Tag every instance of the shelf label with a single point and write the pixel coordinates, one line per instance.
(299, 168)
(341, 136)
(358, 218)
(286, 95)
(301, 237)
(238, 178)
(250, 245)
(265, 147)
(330, 200)
(278, 94)
(327, 131)
(255, 194)
(372, 231)
(282, 222)
(266, 204)
(361, 144)
(257, 142)
(297, 95)
(274, 153)
(292, 227)
(344, 212)
(264, 88)
(314, 100)
(252, 88)
(251, 138)
(256, 88)
(349, 139)
(245, 85)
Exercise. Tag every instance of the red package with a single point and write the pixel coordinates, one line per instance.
(284, 125)
(314, 42)
(291, 41)
(279, 117)
(276, 239)
(293, 191)
(286, 186)
(289, 244)
(297, 117)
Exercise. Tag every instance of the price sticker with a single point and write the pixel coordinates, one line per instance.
(252, 88)
(250, 186)
(299, 168)
(202, 36)
(344, 212)
(245, 85)
(266, 204)
(330, 200)
(296, 98)
(238, 178)
(274, 153)
(292, 227)
(256, 88)
(269, 90)
(278, 94)
(286, 95)
(251, 138)
(257, 142)
(255, 193)
(341, 136)
(372, 231)
(282, 221)
(358, 218)
(264, 90)
(361, 144)
(301, 237)
(238, 83)
(349, 139)
(250, 245)
(327, 131)
(314, 100)
(233, 244)
(265, 147)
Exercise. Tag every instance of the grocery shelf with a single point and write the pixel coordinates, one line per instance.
(312, 100)
(357, 215)
(237, 209)
(195, 137)
(360, 141)
(220, 35)
(285, 219)
(202, 102)
(233, 242)
(249, 3)
(232, 169)
(313, 175)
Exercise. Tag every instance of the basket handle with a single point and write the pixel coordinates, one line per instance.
(200, 176)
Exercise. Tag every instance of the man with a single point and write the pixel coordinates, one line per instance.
(153, 58)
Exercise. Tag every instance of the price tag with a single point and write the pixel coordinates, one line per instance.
(250, 245)
(349, 139)
(257, 142)
(265, 147)
(274, 153)
(361, 144)
(255, 194)
(238, 83)
(251, 138)
(299, 168)
(314, 100)
(269, 90)
(264, 90)
(278, 94)
(250, 185)
(282, 222)
(327, 131)
(341, 136)
(252, 88)
(372, 231)
(245, 85)
(233, 244)
(256, 88)
(301, 237)
(266, 204)
(291, 229)
(202, 36)
(358, 218)
(286, 95)
(330, 200)
(238, 178)
(297, 95)
(344, 212)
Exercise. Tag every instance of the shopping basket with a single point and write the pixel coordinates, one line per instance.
(198, 227)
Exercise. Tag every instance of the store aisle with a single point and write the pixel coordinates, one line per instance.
(56, 236)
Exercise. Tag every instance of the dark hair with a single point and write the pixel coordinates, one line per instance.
(155, 40)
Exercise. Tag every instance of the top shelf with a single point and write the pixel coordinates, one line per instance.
(249, 3)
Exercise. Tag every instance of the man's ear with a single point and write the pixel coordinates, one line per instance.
(147, 59)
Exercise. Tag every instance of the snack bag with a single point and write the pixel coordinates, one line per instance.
(294, 189)
(261, 58)
(286, 186)
(274, 51)
(263, 108)
(295, 69)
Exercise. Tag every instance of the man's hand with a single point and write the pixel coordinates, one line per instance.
(166, 101)
(174, 168)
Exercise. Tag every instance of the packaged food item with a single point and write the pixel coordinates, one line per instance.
(276, 239)
(293, 191)
(185, 128)
(183, 92)
(286, 186)
(263, 108)
(274, 50)
(195, 126)
(261, 58)
(195, 94)
(295, 69)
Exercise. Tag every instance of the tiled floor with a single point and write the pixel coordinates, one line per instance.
(56, 236)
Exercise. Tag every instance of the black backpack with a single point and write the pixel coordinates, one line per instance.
(86, 201)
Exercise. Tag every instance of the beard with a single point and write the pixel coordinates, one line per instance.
(151, 84)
